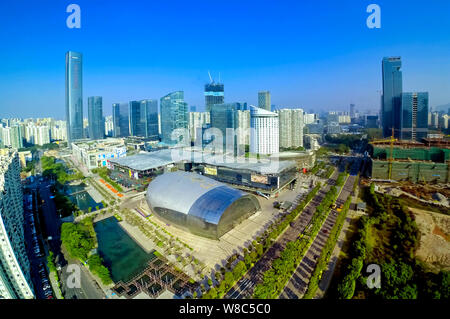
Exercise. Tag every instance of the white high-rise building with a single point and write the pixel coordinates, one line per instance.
(264, 131)
(310, 118)
(196, 121)
(109, 126)
(243, 132)
(15, 281)
(291, 128)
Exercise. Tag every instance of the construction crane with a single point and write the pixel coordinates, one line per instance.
(391, 141)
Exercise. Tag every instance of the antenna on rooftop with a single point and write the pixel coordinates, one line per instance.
(210, 78)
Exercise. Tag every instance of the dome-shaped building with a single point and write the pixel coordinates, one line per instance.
(199, 204)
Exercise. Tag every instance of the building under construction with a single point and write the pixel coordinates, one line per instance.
(427, 162)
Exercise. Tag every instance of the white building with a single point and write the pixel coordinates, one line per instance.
(95, 154)
(264, 131)
(310, 118)
(109, 126)
(291, 128)
(196, 121)
(15, 281)
(243, 132)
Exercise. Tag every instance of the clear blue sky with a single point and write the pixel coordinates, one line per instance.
(310, 54)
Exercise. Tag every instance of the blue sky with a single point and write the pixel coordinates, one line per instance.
(318, 55)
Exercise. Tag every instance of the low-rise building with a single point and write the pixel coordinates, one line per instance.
(95, 154)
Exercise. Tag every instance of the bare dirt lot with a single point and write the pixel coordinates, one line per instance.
(434, 247)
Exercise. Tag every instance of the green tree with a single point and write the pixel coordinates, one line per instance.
(239, 270)
(229, 279)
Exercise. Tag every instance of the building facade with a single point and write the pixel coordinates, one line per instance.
(264, 100)
(414, 116)
(174, 119)
(95, 118)
(391, 101)
(214, 94)
(15, 281)
(264, 131)
(120, 120)
(197, 122)
(74, 96)
(291, 128)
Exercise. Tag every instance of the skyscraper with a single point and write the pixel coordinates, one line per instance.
(15, 281)
(291, 128)
(214, 94)
(16, 137)
(264, 100)
(120, 120)
(414, 115)
(74, 96)
(391, 99)
(144, 119)
(352, 111)
(264, 132)
(224, 117)
(174, 115)
(95, 118)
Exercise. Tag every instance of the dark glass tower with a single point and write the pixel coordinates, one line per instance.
(392, 96)
(151, 110)
(95, 118)
(74, 96)
(174, 115)
(214, 94)
(414, 116)
(137, 119)
(120, 120)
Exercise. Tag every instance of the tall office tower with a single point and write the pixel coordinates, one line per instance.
(15, 281)
(150, 108)
(42, 135)
(137, 119)
(16, 137)
(291, 128)
(120, 120)
(392, 96)
(243, 134)
(95, 118)
(352, 111)
(435, 120)
(74, 96)
(264, 131)
(264, 100)
(197, 121)
(414, 115)
(214, 94)
(224, 118)
(109, 126)
(174, 116)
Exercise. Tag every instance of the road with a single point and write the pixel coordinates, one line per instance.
(298, 284)
(244, 287)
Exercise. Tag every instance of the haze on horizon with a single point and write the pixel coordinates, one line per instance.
(309, 55)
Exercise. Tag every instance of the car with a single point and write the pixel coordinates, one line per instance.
(325, 231)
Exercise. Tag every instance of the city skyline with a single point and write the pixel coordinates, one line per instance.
(332, 74)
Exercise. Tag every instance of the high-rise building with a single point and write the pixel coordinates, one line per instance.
(414, 115)
(224, 118)
(120, 120)
(174, 116)
(16, 137)
(352, 111)
(214, 94)
(243, 132)
(150, 108)
(137, 119)
(392, 96)
(197, 122)
(74, 96)
(291, 128)
(264, 131)
(109, 126)
(264, 100)
(95, 118)
(15, 281)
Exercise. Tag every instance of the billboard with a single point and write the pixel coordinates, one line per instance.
(259, 179)
(211, 171)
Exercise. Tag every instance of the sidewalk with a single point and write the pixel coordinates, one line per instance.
(55, 287)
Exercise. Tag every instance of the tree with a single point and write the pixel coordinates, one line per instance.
(229, 279)
(212, 293)
(239, 270)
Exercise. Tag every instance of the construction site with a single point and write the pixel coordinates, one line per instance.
(411, 161)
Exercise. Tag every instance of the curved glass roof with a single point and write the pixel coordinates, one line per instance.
(211, 205)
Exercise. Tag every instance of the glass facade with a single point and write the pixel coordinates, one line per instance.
(174, 115)
(74, 96)
(120, 120)
(391, 100)
(414, 116)
(151, 110)
(264, 100)
(214, 94)
(95, 118)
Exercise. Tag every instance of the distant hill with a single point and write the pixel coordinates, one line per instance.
(443, 107)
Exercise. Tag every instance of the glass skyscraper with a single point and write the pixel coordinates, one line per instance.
(223, 117)
(414, 115)
(391, 101)
(74, 96)
(144, 119)
(95, 118)
(264, 100)
(214, 94)
(120, 120)
(174, 115)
